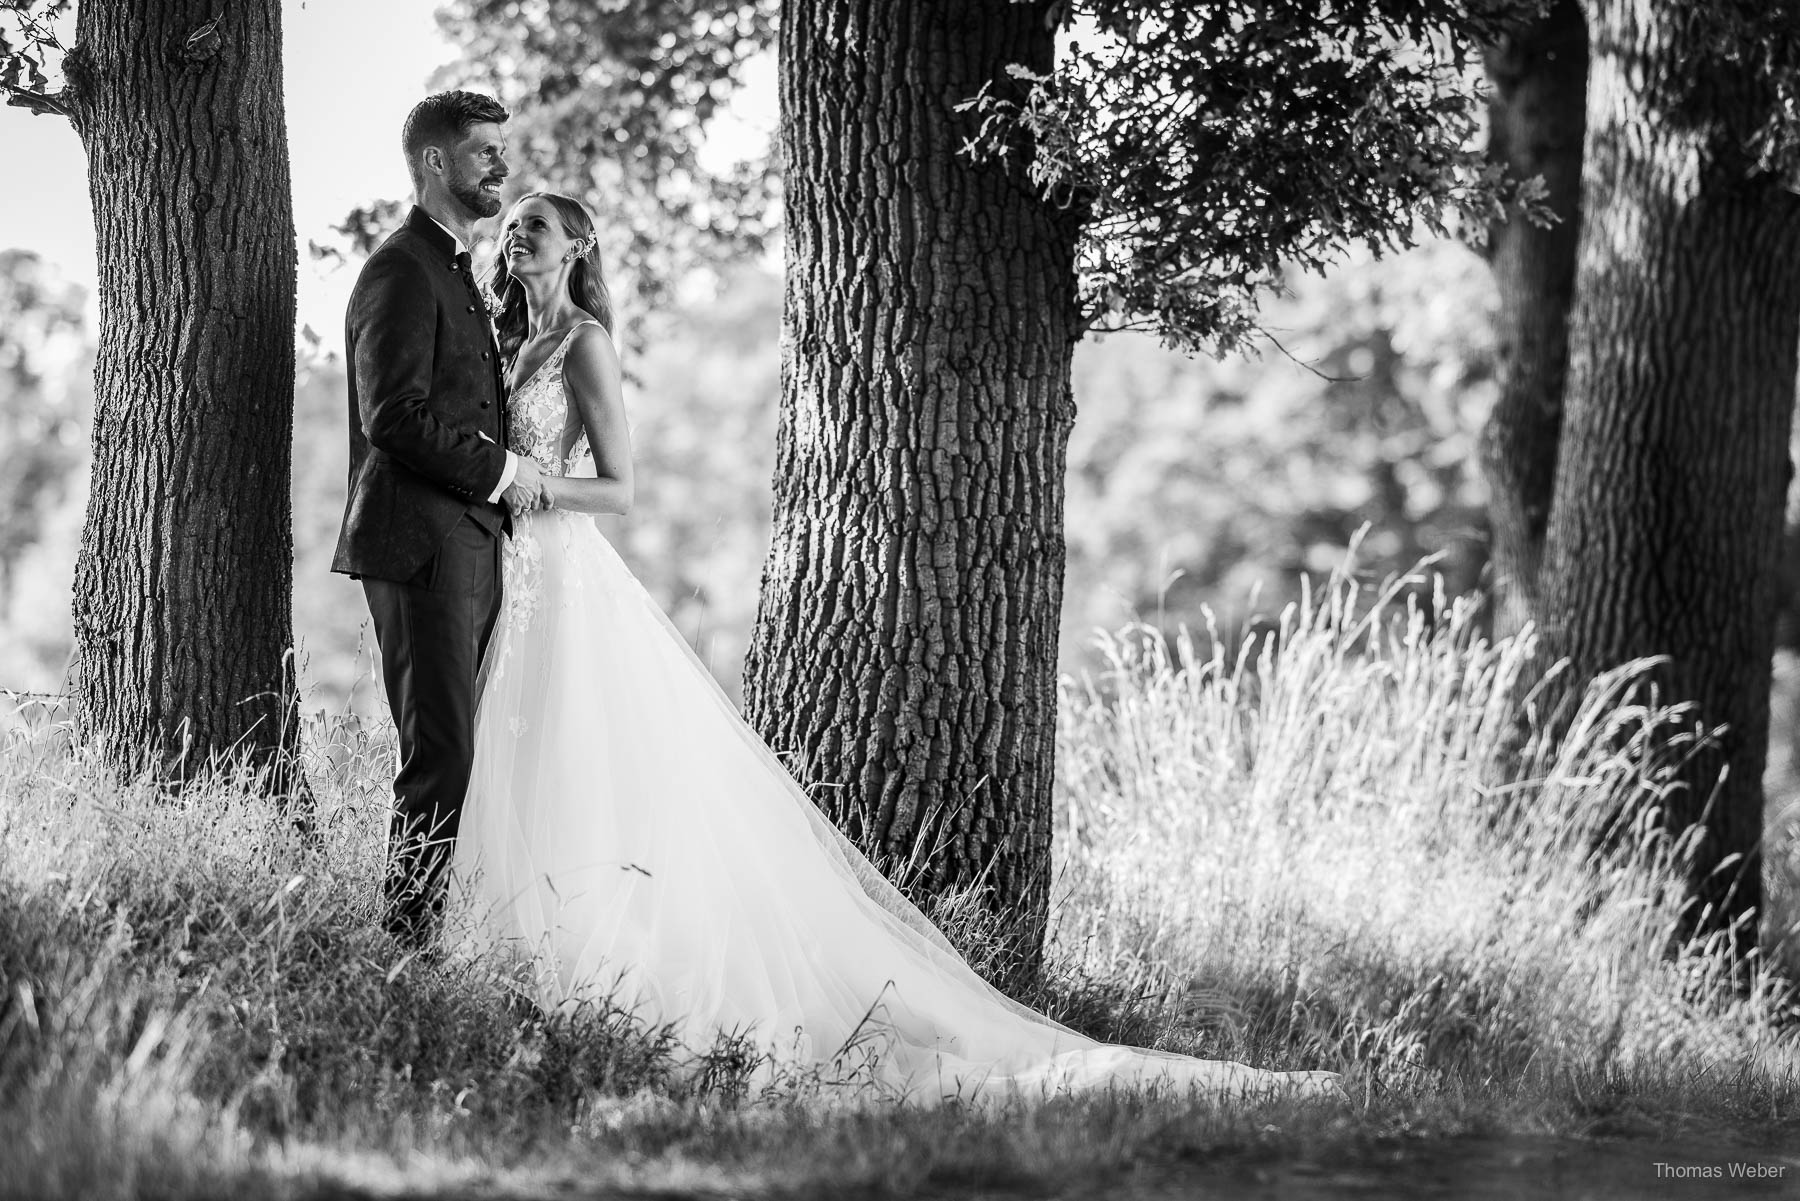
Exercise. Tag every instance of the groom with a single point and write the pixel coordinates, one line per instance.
(428, 471)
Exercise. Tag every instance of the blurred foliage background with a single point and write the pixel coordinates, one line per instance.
(1195, 485)
(1192, 482)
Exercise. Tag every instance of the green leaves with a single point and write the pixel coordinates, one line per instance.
(28, 45)
(1210, 146)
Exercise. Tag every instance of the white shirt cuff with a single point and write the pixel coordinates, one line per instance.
(507, 476)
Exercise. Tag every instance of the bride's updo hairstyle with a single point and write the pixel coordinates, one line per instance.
(587, 286)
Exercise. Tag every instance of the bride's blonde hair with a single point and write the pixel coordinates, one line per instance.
(587, 285)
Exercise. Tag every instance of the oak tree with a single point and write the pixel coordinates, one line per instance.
(1665, 523)
(961, 206)
(1537, 115)
(1637, 455)
(183, 589)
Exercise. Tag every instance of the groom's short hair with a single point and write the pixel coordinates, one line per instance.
(442, 119)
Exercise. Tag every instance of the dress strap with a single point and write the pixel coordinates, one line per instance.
(570, 336)
(562, 349)
(553, 361)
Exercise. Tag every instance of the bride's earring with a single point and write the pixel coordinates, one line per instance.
(582, 247)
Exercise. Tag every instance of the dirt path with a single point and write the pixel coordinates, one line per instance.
(1471, 1169)
(1552, 1169)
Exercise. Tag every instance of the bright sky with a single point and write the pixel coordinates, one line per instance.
(353, 70)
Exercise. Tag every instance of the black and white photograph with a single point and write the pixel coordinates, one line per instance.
(609, 600)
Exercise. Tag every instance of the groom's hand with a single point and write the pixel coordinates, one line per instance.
(527, 490)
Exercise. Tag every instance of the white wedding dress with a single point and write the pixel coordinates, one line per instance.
(627, 835)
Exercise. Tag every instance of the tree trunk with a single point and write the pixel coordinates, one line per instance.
(1665, 534)
(183, 588)
(905, 644)
(1537, 116)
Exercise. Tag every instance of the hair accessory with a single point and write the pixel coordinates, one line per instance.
(583, 247)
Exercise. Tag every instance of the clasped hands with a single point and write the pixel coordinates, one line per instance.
(529, 491)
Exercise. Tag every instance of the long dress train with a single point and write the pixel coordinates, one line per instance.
(627, 834)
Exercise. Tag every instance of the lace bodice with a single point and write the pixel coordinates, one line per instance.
(539, 421)
(539, 418)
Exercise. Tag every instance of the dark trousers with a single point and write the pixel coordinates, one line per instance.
(432, 630)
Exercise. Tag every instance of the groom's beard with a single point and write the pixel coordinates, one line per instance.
(467, 191)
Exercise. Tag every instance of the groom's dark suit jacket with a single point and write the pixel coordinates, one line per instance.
(427, 397)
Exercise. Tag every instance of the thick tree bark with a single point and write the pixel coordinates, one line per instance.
(1666, 527)
(1537, 116)
(183, 588)
(905, 645)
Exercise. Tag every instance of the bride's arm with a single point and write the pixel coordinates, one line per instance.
(591, 377)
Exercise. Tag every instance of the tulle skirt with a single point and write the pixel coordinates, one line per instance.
(626, 836)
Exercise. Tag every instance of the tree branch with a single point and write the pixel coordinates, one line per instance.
(38, 102)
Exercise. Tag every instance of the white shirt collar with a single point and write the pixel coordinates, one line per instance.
(460, 248)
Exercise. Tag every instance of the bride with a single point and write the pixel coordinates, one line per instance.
(628, 836)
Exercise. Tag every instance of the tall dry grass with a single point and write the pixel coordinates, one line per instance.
(1302, 852)
(1291, 857)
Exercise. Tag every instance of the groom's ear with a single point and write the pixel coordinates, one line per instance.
(433, 159)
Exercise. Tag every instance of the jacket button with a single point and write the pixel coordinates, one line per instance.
(484, 354)
(471, 308)
(486, 403)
